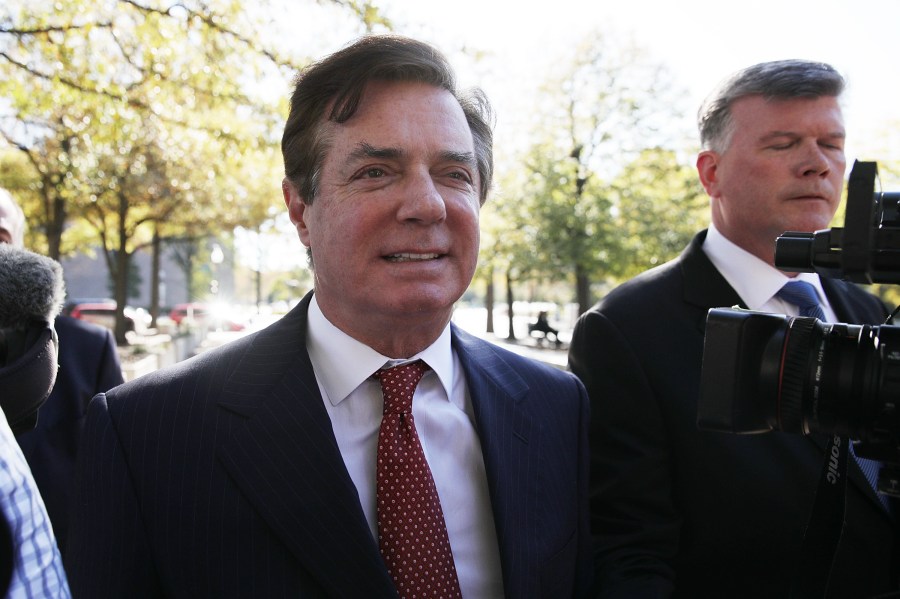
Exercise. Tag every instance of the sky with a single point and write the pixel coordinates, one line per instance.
(518, 44)
(700, 41)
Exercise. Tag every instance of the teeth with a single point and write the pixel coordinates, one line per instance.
(411, 257)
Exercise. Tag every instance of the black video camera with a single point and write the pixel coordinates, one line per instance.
(764, 372)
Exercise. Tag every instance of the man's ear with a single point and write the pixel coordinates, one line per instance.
(707, 170)
(296, 209)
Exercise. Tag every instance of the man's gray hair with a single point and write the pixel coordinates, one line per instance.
(776, 80)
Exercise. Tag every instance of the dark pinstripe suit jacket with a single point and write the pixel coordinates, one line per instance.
(221, 477)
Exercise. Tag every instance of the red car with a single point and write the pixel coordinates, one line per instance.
(192, 310)
(210, 316)
(104, 314)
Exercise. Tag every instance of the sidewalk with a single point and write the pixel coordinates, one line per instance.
(547, 353)
(527, 347)
(473, 320)
(473, 323)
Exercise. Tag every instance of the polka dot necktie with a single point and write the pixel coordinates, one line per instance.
(411, 530)
(804, 296)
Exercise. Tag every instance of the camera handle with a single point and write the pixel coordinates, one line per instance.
(825, 526)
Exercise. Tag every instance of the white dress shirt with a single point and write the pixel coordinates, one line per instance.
(444, 420)
(755, 281)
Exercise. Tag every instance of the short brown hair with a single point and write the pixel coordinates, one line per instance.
(339, 81)
(776, 80)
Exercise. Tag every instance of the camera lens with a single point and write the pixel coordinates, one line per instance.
(764, 372)
(838, 379)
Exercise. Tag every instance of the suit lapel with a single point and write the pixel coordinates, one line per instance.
(704, 285)
(284, 457)
(510, 439)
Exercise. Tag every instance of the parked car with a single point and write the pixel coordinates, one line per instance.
(104, 314)
(71, 302)
(192, 310)
(211, 316)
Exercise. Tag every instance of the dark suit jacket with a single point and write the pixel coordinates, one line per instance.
(221, 477)
(707, 514)
(88, 364)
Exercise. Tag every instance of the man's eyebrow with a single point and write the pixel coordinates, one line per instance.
(367, 150)
(462, 157)
(776, 134)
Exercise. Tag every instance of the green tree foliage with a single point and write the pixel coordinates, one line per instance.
(597, 116)
(144, 118)
(506, 246)
(570, 230)
(659, 206)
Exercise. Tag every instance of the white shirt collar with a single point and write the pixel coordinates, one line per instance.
(754, 280)
(342, 363)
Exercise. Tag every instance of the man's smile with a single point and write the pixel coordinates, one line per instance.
(408, 257)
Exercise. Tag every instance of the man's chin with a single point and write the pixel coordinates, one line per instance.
(420, 306)
(809, 219)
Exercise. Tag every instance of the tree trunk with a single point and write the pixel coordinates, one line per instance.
(489, 301)
(259, 266)
(55, 226)
(154, 277)
(258, 274)
(582, 290)
(509, 305)
(121, 274)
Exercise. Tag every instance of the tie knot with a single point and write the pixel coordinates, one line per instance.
(398, 384)
(804, 296)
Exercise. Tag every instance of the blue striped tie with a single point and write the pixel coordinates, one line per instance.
(804, 296)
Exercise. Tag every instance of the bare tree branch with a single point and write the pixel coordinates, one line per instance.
(21, 32)
(210, 21)
(133, 102)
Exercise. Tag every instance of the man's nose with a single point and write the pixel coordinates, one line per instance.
(422, 201)
(815, 162)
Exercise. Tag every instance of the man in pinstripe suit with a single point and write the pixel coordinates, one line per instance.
(249, 471)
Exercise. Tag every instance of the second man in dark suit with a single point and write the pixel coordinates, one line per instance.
(687, 513)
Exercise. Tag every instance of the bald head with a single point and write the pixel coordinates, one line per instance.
(12, 220)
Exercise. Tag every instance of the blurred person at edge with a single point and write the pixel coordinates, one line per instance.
(31, 294)
(250, 470)
(88, 364)
(676, 511)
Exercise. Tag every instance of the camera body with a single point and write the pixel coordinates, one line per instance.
(865, 250)
(764, 372)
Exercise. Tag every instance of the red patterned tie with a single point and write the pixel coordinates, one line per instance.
(411, 530)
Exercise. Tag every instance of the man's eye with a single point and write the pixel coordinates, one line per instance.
(462, 176)
(373, 173)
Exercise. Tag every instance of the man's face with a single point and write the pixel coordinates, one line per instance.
(782, 171)
(394, 230)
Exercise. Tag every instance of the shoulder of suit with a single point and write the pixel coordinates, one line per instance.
(73, 326)
(870, 306)
(644, 290)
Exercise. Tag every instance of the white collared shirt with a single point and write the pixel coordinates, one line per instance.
(444, 420)
(755, 281)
